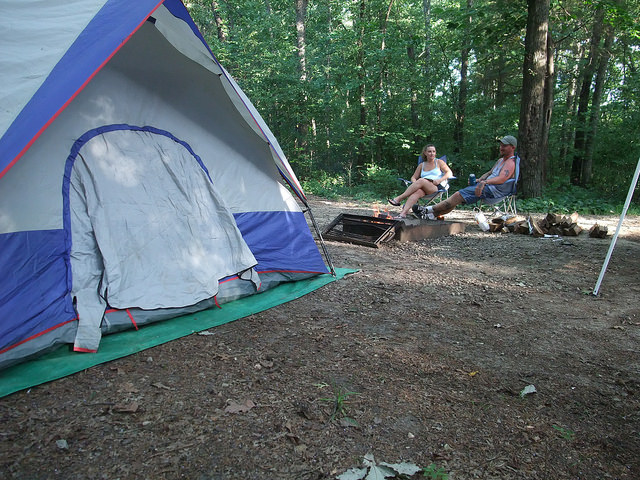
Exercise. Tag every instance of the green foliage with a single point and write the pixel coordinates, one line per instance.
(564, 198)
(374, 183)
(325, 185)
(377, 88)
(339, 404)
(565, 432)
(435, 473)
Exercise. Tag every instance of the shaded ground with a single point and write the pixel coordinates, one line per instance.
(435, 339)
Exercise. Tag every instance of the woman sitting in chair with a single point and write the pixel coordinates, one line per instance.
(429, 178)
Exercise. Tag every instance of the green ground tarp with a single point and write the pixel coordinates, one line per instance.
(63, 361)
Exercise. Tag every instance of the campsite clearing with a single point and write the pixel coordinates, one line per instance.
(426, 355)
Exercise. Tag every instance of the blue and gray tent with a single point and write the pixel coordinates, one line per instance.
(137, 181)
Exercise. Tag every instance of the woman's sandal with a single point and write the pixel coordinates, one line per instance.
(393, 202)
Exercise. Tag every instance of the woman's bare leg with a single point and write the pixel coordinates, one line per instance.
(422, 184)
(411, 201)
(415, 192)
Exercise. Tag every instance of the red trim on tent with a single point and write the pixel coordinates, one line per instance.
(83, 350)
(132, 320)
(66, 104)
(6, 349)
(288, 271)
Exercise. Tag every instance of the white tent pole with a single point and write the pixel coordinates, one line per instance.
(632, 187)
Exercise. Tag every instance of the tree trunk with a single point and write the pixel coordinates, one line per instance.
(500, 73)
(381, 81)
(302, 125)
(413, 101)
(567, 136)
(426, 73)
(230, 22)
(426, 9)
(458, 131)
(601, 75)
(216, 15)
(547, 105)
(583, 102)
(532, 113)
(362, 156)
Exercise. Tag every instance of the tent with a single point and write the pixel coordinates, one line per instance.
(137, 181)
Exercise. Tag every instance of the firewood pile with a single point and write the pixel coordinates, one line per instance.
(552, 224)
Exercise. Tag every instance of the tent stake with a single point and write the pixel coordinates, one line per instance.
(632, 187)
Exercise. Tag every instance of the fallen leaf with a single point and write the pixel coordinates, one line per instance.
(234, 407)
(403, 468)
(129, 387)
(126, 407)
(300, 449)
(160, 385)
(353, 474)
(527, 390)
(348, 422)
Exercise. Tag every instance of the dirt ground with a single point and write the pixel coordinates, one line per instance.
(419, 357)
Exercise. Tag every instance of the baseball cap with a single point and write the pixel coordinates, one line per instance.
(509, 140)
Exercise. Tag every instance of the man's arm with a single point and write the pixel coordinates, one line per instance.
(505, 173)
(484, 177)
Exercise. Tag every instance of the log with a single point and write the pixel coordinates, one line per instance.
(538, 231)
(495, 227)
(566, 222)
(522, 228)
(552, 218)
(574, 217)
(598, 231)
(572, 231)
(512, 220)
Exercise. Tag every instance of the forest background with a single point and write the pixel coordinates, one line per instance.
(353, 89)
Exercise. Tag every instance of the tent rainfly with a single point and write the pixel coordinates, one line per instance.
(137, 181)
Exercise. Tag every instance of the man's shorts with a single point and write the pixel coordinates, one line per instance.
(469, 194)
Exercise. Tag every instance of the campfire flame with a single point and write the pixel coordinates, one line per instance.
(381, 214)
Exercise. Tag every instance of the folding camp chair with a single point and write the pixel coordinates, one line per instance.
(436, 196)
(504, 206)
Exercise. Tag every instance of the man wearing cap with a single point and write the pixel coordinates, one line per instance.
(488, 185)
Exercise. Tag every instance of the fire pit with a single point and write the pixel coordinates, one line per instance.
(412, 230)
(373, 231)
(361, 230)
